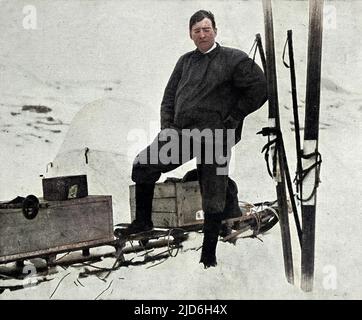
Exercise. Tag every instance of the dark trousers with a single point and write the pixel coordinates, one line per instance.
(213, 178)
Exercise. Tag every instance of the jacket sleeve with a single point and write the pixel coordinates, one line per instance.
(168, 100)
(250, 80)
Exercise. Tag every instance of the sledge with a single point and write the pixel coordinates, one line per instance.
(259, 219)
(65, 226)
(37, 228)
(34, 227)
(115, 249)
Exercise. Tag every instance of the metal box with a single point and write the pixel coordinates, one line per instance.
(59, 226)
(175, 204)
(64, 188)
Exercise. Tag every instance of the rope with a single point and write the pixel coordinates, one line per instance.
(267, 148)
(284, 51)
(257, 221)
(303, 174)
(103, 291)
(56, 288)
(268, 131)
(280, 151)
(86, 151)
(47, 167)
(255, 44)
(252, 47)
(265, 203)
(156, 264)
(273, 211)
(169, 250)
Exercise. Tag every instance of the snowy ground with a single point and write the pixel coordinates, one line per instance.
(121, 53)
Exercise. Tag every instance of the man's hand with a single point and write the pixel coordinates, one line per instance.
(231, 123)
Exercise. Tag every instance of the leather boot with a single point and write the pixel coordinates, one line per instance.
(143, 221)
(212, 225)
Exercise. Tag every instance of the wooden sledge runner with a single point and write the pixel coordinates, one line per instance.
(259, 221)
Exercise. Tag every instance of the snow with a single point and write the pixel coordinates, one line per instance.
(119, 55)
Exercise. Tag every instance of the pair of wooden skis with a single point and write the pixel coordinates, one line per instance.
(308, 159)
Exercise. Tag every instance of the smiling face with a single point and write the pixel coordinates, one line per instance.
(203, 34)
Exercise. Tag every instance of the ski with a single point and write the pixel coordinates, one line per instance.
(274, 122)
(311, 157)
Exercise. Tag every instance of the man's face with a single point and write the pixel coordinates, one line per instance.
(203, 34)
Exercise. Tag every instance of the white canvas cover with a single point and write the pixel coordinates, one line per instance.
(107, 129)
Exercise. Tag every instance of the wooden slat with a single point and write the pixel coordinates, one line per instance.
(62, 225)
(160, 205)
(174, 204)
(162, 190)
(188, 202)
(56, 250)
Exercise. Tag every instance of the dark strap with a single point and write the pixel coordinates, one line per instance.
(301, 176)
(279, 146)
(284, 51)
(86, 151)
(255, 47)
(267, 131)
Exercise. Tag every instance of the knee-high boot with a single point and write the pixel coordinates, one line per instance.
(144, 197)
(143, 221)
(212, 225)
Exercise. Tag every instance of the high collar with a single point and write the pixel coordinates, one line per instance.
(212, 48)
(211, 53)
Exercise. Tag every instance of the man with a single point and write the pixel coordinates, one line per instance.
(211, 90)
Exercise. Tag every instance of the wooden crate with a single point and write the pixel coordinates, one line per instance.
(58, 227)
(175, 204)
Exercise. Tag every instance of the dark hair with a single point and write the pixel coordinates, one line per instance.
(200, 15)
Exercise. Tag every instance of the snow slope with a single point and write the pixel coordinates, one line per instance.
(121, 53)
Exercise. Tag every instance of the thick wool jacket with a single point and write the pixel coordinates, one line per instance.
(204, 89)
